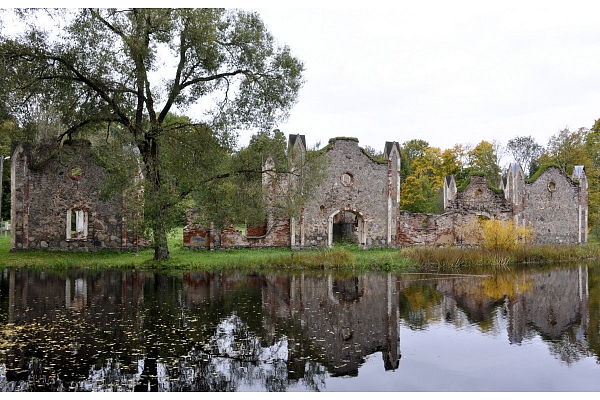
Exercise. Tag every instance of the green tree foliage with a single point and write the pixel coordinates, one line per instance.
(525, 151)
(8, 130)
(452, 162)
(485, 158)
(416, 195)
(138, 66)
(425, 168)
(410, 150)
(254, 183)
(568, 148)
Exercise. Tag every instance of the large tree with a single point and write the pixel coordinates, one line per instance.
(485, 158)
(132, 67)
(526, 152)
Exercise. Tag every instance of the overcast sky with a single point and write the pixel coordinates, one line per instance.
(445, 72)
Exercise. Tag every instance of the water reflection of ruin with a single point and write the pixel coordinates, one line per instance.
(106, 326)
(352, 317)
(347, 318)
(549, 302)
(111, 326)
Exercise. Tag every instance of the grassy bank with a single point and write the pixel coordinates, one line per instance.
(452, 259)
(348, 257)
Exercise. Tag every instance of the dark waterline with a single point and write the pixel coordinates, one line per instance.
(526, 330)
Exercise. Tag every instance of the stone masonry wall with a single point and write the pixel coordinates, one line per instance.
(552, 207)
(477, 197)
(201, 238)
(455, 226)
(355, 183)
(451, 228)
(64, 186)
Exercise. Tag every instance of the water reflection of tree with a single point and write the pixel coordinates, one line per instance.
(218, 346)
(145, 329)
(143, 336)
(416, 305)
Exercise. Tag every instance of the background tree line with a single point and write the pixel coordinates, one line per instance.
(424, 167)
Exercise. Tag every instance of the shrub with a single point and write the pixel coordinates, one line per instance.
(503, 235)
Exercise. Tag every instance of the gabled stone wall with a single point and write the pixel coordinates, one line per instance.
(552, 208)
(552, 205)
(56, 205)
(479, 198)
(358, 184)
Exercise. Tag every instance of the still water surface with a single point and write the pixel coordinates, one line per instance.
(526, 330)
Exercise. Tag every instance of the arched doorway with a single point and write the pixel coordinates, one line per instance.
(346, 224)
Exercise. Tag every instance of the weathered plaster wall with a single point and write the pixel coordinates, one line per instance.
(44, 196)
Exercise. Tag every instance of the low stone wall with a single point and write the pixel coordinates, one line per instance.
(202, 238)
(451, 228)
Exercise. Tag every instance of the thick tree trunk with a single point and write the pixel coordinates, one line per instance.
(161, 248)
(156, 203)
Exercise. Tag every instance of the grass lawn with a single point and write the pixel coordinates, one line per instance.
(339, 257)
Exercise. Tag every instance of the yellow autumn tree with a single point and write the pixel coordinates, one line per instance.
(504, 235)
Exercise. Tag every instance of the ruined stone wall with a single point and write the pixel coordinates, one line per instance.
(201, 238)
(365, 194)
(48, 192)
(451, 228)
(552, 207)
(514, 192)
(477, 197)
(355, 183)
(457, 225)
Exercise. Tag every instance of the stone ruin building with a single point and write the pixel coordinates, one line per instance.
(551, 204)
(358, 202)
(56, 203)
(56, 206)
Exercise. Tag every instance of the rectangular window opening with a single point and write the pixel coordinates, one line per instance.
(76, 224)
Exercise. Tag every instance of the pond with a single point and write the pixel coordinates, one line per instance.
(535, 329)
